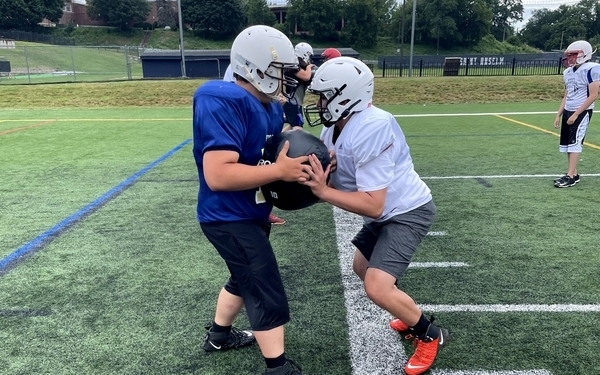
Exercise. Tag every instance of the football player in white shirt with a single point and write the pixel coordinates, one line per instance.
(581, 91)
(228, 76)
(375, 178)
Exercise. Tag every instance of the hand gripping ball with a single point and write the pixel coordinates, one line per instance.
(292, 195)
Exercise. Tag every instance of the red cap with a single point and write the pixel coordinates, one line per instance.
(330, 53)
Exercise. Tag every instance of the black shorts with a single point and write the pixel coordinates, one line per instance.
(573, 136)
(247, 251)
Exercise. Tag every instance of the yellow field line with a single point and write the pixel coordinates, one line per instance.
(543, 130)
(105, 119)
(37, 124)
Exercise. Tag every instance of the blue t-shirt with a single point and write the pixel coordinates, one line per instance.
(228, 117)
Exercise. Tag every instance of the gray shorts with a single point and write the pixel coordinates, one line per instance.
(390, 245)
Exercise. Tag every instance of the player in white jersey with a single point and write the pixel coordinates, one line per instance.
(228, 76)
(581, 91)
(375, 178)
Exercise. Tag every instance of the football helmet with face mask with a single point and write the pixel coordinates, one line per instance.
(344, 86)
(260, 54)
(577, 53)
(304, 51)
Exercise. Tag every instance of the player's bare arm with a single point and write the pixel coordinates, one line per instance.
(561, 108)
(223, 172)
(593, 95)
(366, 203)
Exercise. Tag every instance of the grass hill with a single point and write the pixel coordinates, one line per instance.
(169, 39)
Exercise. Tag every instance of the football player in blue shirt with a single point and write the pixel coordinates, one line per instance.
(231, 122)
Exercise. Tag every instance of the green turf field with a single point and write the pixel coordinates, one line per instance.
(126, 286)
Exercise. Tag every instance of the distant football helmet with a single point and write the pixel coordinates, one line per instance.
(260, 54)
(577, 53)
(330, 53)
(304, 51)
(344, 86)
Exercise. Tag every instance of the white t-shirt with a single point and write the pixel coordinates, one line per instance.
(228, 76)
(372, 154)
(576, 84)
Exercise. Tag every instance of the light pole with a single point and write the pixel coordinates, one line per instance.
(183, 74)
(402, 37)
(412, 38)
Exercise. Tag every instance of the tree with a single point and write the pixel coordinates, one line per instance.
(361, 23)
(214, 19)
(505, 13)
(556, 29)
(26, 14)
(258, 13)
(384, 10)
(317, 17)
(166, 13)
(120, 13)
(450, 23)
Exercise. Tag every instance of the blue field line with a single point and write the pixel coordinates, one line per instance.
(66, 223)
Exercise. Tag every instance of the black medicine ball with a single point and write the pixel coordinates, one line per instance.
(292, 195)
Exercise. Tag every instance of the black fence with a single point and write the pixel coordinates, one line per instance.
(27, 36)
(464, 67)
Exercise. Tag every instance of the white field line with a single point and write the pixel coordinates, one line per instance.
(440, 233)
(480, 372)
(558, 308)
(474, 114)
(437, 264)
(374, 348)
(503, 176)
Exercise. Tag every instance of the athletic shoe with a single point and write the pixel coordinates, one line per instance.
(562, 177)
(290, 368)
(216, 341)
(566, 181)
(402, 328)
(275, 220)
(426, 351)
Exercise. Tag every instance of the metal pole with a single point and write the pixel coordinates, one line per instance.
(73, 65)
(412, 37)
(402, 33)
(27, 63)
(183, 74)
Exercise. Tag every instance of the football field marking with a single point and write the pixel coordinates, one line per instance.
(557, 308)
(515, 372)
(440, 233)
(375, 349)
(474, 114)
(543, 130)
(502, 176)
(37, 124)
(103, 119)
(49, 235)
(437, 264)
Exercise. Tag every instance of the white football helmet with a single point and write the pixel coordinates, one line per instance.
(344, 86)
(304, 51)
(260, 55)
(577, 53)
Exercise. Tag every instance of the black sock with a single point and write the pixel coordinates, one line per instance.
(219, 329)
(276, 362)
(424, 326)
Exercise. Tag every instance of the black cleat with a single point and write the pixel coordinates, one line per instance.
(290, 368)
(227, 340)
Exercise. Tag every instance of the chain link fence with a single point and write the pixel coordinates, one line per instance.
(56, 64)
